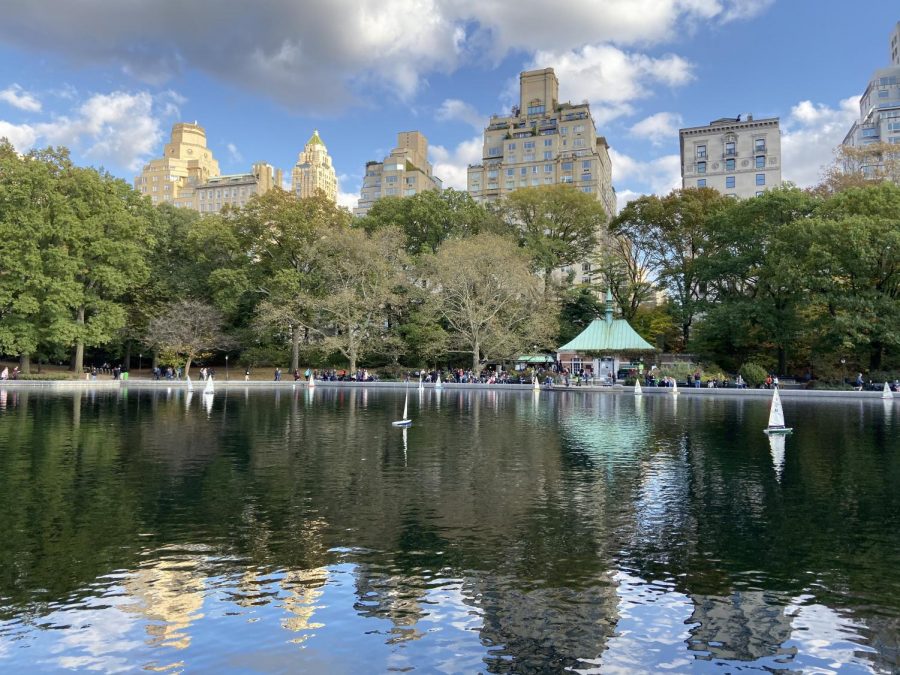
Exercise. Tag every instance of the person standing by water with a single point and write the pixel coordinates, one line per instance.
(278, 374)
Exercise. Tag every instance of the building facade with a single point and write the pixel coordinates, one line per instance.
(235, 189)
(314, 171)
(187, 175)
(403, 173)
(879, 112)
(542, 142)
(186, 163)
(739, 158)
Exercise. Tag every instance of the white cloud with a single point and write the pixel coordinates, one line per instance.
(454, 110)
(320, 55)
(658, 128)
(657, 176)
(611, 78)
(120, 128)
(346, 199)
(809, 136)
(233, 153)
(21, 99)
(452, 166)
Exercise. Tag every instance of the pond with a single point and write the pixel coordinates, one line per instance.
(506, 531)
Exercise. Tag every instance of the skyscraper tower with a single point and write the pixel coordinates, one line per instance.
(314, 170)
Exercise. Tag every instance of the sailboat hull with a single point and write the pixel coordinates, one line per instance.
(402, 423)
(778, 430)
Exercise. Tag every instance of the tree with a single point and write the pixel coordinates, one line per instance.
(626, 270)
(187, 329)
(491, 304)
(580, 306)
(428, 218)
(672, 232)
(855, 167)
(557, 225)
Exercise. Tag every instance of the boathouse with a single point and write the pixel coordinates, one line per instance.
(604, 347)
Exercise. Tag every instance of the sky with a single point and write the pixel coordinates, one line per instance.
(108, 78)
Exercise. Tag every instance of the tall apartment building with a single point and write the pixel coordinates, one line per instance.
(314, 171)
(235, 189)
(542, 142)
(187, 175)
(403, 173)
(739, 158)
(879, 110)
(186, 163)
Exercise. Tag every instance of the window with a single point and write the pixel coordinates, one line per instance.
(760, 162)
(510, 172)
(493, 152)
(586, 165)
(759, 193)
(563, 131)
(869, 133)
(529, 157)
(510, 146)
(701, 152)
(535, 181)
(535, 109)
(729, 181)
(391, 179)
(548, 168)
(701, 167)
(566, 179)
(579, 142)
(523, 171)
(729, 149)
(548, 155)
(579, 128)
(528, 145)
(493, 173)
(548, 180)
(567, 166)
(548, 142)
(587, 188)
(729, 165)
(760, 179)
(701, 182)
(759, 144)
(534, 169)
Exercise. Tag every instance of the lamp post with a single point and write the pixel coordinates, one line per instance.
(843, 373)
(226, 367)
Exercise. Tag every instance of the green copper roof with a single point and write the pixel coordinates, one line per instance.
(315, 138)
(608, 335)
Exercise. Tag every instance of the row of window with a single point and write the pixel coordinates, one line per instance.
(523, 182)
(759, 163)
(759, 145)
(730, 181)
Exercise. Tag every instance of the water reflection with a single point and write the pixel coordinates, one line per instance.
(504, 531)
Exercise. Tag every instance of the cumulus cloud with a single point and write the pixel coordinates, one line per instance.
(657, 176)
(451, 166)
(347, 199)
(19, 98)
(454, 110)
(658, 128)
(320, 55)
(233, 153)
(120, 129)
(809, 136)
(611, 78)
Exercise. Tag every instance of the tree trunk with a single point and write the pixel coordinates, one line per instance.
(352, 361)
(78, 359)
(187, 366)
(25, 363)
(476, 358)
(875, 355)
(126, 360)
(155, 362)
(685, 334)
(295, 348)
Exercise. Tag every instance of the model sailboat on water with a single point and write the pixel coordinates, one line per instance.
(637, 387)
(405, 421)
(776, 417)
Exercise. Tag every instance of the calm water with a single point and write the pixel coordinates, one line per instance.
(504, 532)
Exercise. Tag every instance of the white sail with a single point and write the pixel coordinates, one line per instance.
(311, 380)
(437, 382)
(675, 391)
(776, 414)
(190, 385)
(776, 445)
(535, 383)
(208, 402)
(637, 387)
(187, 399)
(406, 407)
(421, 382)
(404, 421)
(210, 389)
(886, 392)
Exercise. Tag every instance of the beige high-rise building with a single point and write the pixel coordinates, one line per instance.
(186, 163)
(543, 142)
(403, 173)
(235, 189)
(187, 175)
(314, 171)
(739, 158)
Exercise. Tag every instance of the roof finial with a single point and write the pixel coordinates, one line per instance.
(609, 306)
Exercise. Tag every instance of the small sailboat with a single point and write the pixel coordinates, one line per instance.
(405, 421)
(637, 387)
(776, 445)
(776, 417)
(886, 392)
(675, 391)
(187, 399)
(209, 390)
(421, 383)
(437, 382)
(535, 383)
(190, 385)
(311, 380)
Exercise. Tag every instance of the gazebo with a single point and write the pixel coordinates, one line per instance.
(603, 346)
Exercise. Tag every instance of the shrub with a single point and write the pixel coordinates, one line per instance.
(753, 374)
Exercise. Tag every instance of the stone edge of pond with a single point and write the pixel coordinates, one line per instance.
(108, 385)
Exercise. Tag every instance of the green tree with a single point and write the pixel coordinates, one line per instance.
(491, 304)
(557, 225)
(580, 306)
(672, 233)
(187, 329)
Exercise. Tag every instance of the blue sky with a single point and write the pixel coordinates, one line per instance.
(108, 78)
